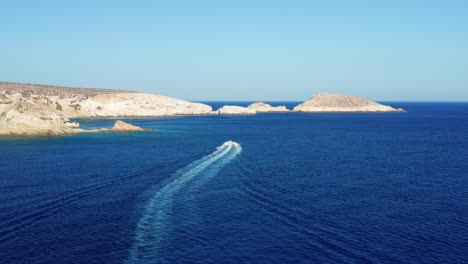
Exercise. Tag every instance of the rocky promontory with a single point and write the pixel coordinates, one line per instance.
(324, 102)
(30, 109)
(261, 107)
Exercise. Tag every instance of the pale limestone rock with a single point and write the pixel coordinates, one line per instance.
(235, 110)
(323, 102)
(121, 126)
(261, 107)
(29, 109)
(72, 124)
(26, 119)
(133, 104)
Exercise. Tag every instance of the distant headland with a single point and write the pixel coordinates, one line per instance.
(42, 110)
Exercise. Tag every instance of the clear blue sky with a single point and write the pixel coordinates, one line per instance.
(241, 50)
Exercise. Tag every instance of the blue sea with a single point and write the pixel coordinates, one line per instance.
(270, 188)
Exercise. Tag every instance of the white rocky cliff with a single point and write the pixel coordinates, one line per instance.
(261, 107)
(28, 109)
(323, 102)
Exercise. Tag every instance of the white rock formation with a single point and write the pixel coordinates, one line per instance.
(323, 102)
(121, 126)
(28, 109)
(131, 104)
(261, 107)
(235, 110)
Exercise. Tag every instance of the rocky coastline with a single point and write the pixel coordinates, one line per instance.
(38, 110)
(42, 110)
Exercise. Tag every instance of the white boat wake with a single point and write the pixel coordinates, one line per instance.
(150, 230)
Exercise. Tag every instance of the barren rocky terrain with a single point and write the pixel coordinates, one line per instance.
(324, 102)
(30, 109)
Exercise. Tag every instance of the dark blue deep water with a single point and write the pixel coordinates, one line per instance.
(301, 188)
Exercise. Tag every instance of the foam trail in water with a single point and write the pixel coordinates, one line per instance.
(151, 229)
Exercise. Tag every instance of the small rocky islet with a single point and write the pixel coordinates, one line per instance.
(43, 110)
(261, 107)
(324, 102)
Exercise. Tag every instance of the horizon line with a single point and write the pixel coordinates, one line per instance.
(229, 100)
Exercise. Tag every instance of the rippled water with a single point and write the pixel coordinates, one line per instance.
(291, 188)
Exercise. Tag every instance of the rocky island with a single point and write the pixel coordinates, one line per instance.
(235, 110)
(261, 107)
(324, 102)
